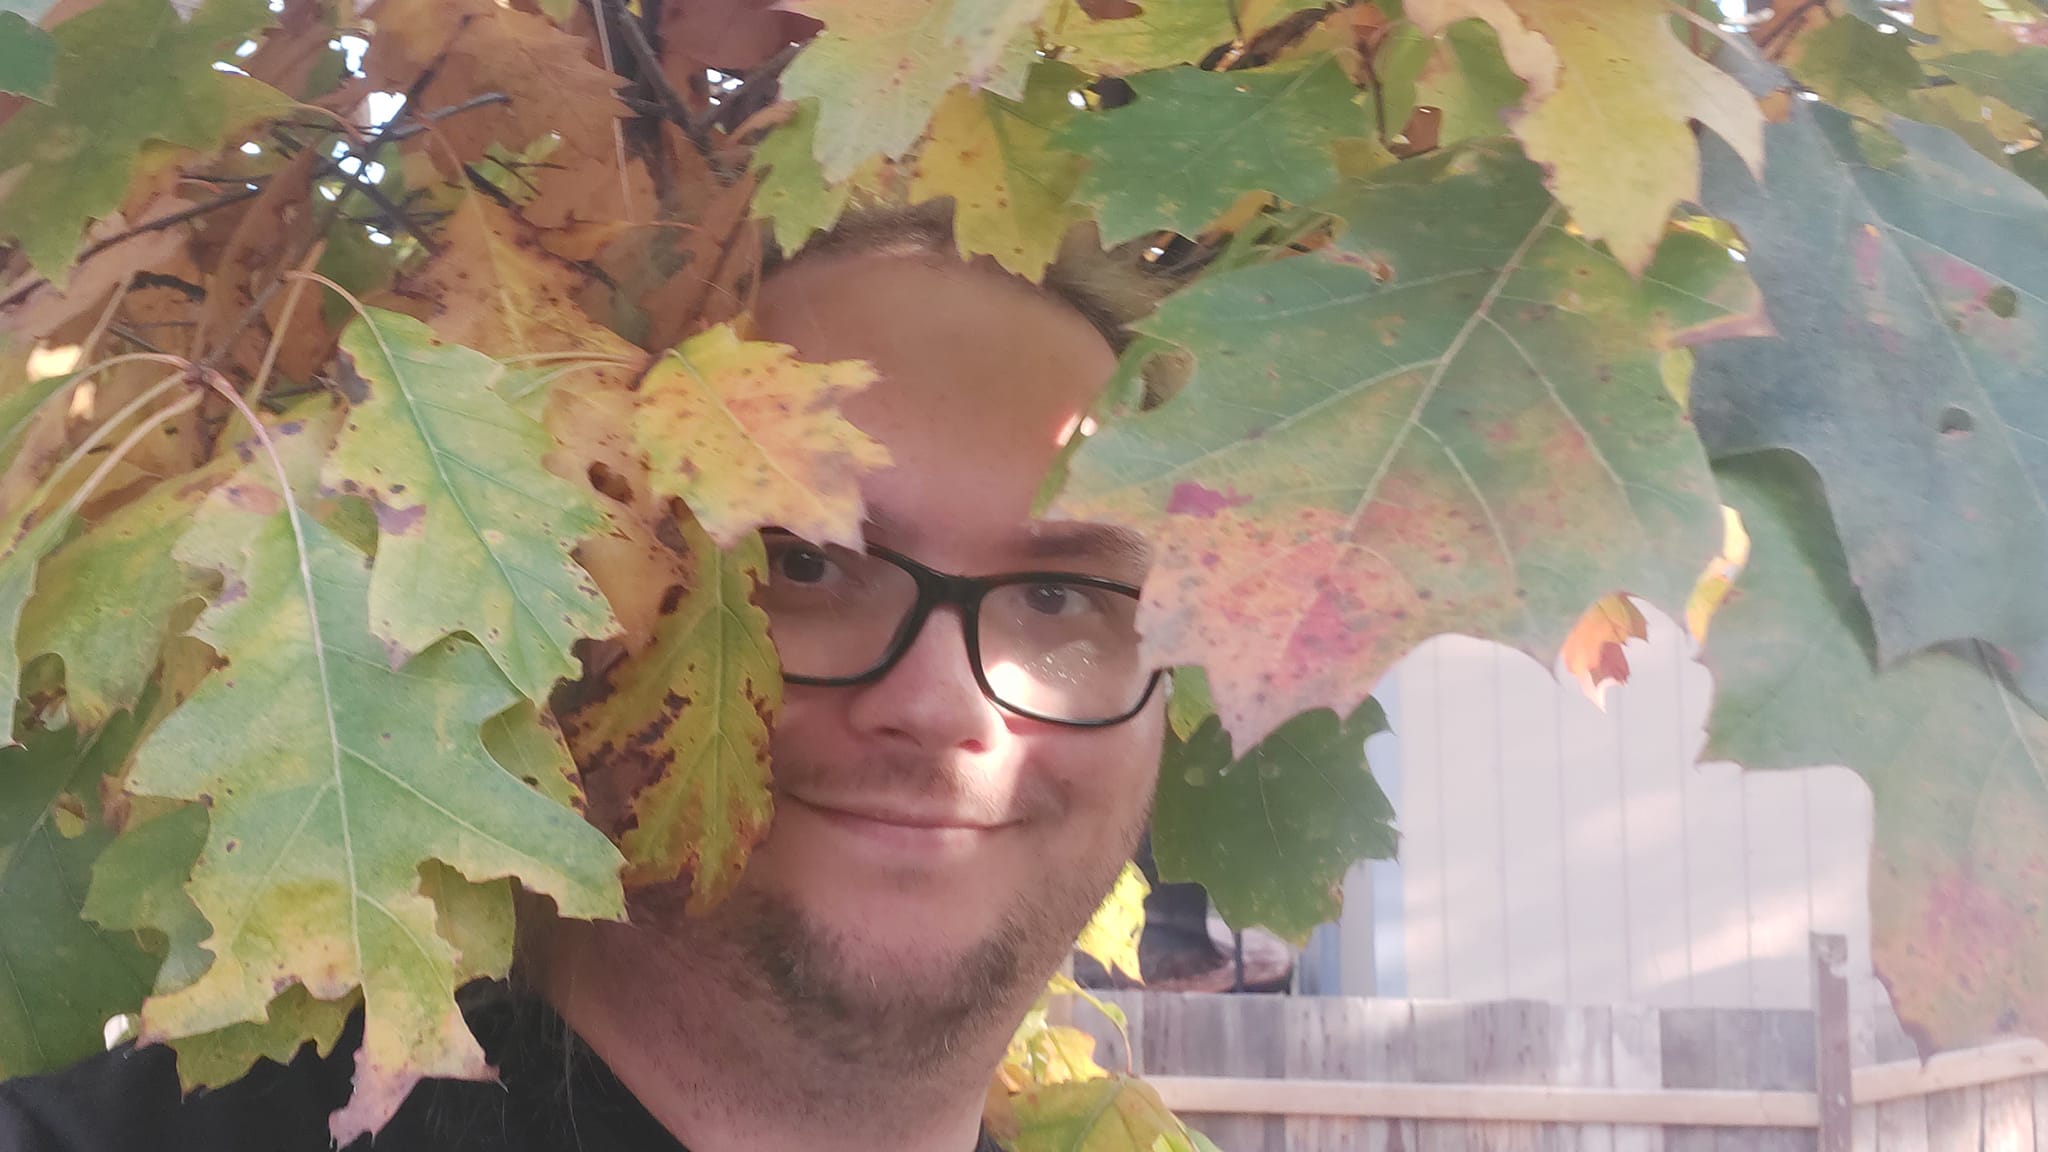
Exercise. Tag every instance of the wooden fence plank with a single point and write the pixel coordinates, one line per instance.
(1784, 1059)
(1690, 1060)
(1329, 1039)
(2009, 1117)
(1637, 1052)
(1501, 1045)
(2040, 1089)
(1390, 1058)
(1901, 1124)
(1831, 1075)
(1439, 1039)
(1584, 1046)
(1955, 1120)
(1232, 1036)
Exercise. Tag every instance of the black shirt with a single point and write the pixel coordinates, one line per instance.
(555, 1096)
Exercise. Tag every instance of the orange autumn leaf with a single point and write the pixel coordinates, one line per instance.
(1594, 651)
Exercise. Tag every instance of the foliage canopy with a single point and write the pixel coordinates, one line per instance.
(383, 449)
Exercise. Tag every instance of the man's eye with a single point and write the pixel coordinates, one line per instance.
(1057, 600)
(802, 565)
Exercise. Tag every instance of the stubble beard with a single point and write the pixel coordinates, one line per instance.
(838, 997)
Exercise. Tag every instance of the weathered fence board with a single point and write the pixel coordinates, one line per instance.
(1734, 1071)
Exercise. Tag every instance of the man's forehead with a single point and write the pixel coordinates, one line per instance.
(1045, 541)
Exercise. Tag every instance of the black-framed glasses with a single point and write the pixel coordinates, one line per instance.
(1054, 646)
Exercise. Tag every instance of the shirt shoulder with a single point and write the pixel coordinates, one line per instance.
(129, 1099)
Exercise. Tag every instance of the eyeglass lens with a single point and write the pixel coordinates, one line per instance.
(1056, 649)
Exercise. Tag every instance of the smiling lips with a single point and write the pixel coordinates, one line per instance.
(905, 831)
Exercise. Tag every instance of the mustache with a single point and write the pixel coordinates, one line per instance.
(918, 783)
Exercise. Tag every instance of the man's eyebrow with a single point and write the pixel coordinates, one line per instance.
(1067, 541)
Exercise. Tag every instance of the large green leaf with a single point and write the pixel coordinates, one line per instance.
(1910, 294)
(1192, 142)
(60, 977)
(28, 57)
(70, 160)
(474, 534)
(1452, 420)
(1955, 762)
(344, 778)
(684, 731)
(1272, 833)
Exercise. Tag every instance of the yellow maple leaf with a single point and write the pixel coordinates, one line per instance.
(1012, 192)
(746, 435)
(1612, 94)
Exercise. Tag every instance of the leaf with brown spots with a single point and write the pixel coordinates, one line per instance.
(1956, 761)
(682, 736)
(1453, 419)
(748, 435)
(474, 533)
(495, 289)
(344, 778)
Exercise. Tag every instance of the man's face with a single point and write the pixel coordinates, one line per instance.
(928, 844)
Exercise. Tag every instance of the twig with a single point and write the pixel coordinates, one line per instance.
(1795, 18)
(611, 64)
(1379, 98)
(171, 220)
(648, 64)
(284, 323)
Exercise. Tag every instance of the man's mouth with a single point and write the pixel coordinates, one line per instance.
(899, 830)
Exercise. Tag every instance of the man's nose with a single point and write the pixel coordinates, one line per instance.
(930, 698)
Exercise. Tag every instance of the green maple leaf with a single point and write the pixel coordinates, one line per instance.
(2020, 78)
(474, 533)
(1272, 833)
(346, 776)
(60, 977)
(1952, 755)
(70, 159)
(793, 190)
(1012, 189)
(1182, 153)
(104, 601)
(1162, 33)
(1109, 1114)
(880, 68)
(1454, 419)
(28, 57)
(1908, 370)
(1469, 82)
(1852, 64)
(687, 725)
